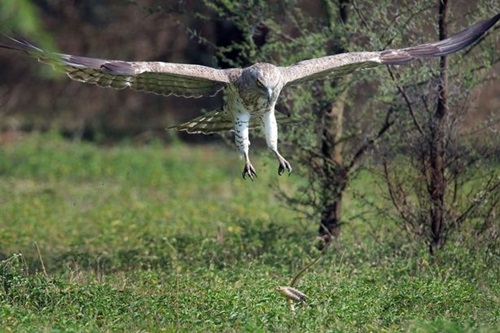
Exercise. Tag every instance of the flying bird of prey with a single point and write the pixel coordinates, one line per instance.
(250, 93)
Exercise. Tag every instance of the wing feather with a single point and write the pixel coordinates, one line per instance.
(343, 64)
(211, 122)
(155, 77)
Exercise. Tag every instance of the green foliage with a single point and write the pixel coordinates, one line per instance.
(19, 15)
(154, 239)
(23, 17)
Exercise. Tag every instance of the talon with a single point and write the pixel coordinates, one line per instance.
(284, 165)
(250, 171)
(281, 169)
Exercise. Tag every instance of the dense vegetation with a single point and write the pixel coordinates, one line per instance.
(153, 239)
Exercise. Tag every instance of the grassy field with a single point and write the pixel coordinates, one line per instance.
(149, 239)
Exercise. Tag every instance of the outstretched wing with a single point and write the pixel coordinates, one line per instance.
(342, 64)
(154, 77)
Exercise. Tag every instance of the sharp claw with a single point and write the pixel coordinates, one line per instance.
(281, 169)
(284, 165)
(250, 171)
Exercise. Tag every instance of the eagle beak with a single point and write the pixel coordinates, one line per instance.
(269, 93)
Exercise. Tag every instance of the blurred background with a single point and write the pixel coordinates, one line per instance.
(35, 98)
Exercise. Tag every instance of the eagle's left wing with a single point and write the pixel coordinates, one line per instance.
(345, 63)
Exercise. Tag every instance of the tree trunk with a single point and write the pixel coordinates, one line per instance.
(335, 177)
(437, 185)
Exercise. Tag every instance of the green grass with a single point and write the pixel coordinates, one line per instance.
(172, 239)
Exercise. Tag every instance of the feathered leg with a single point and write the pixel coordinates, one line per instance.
(271, 132)
(241, 138)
